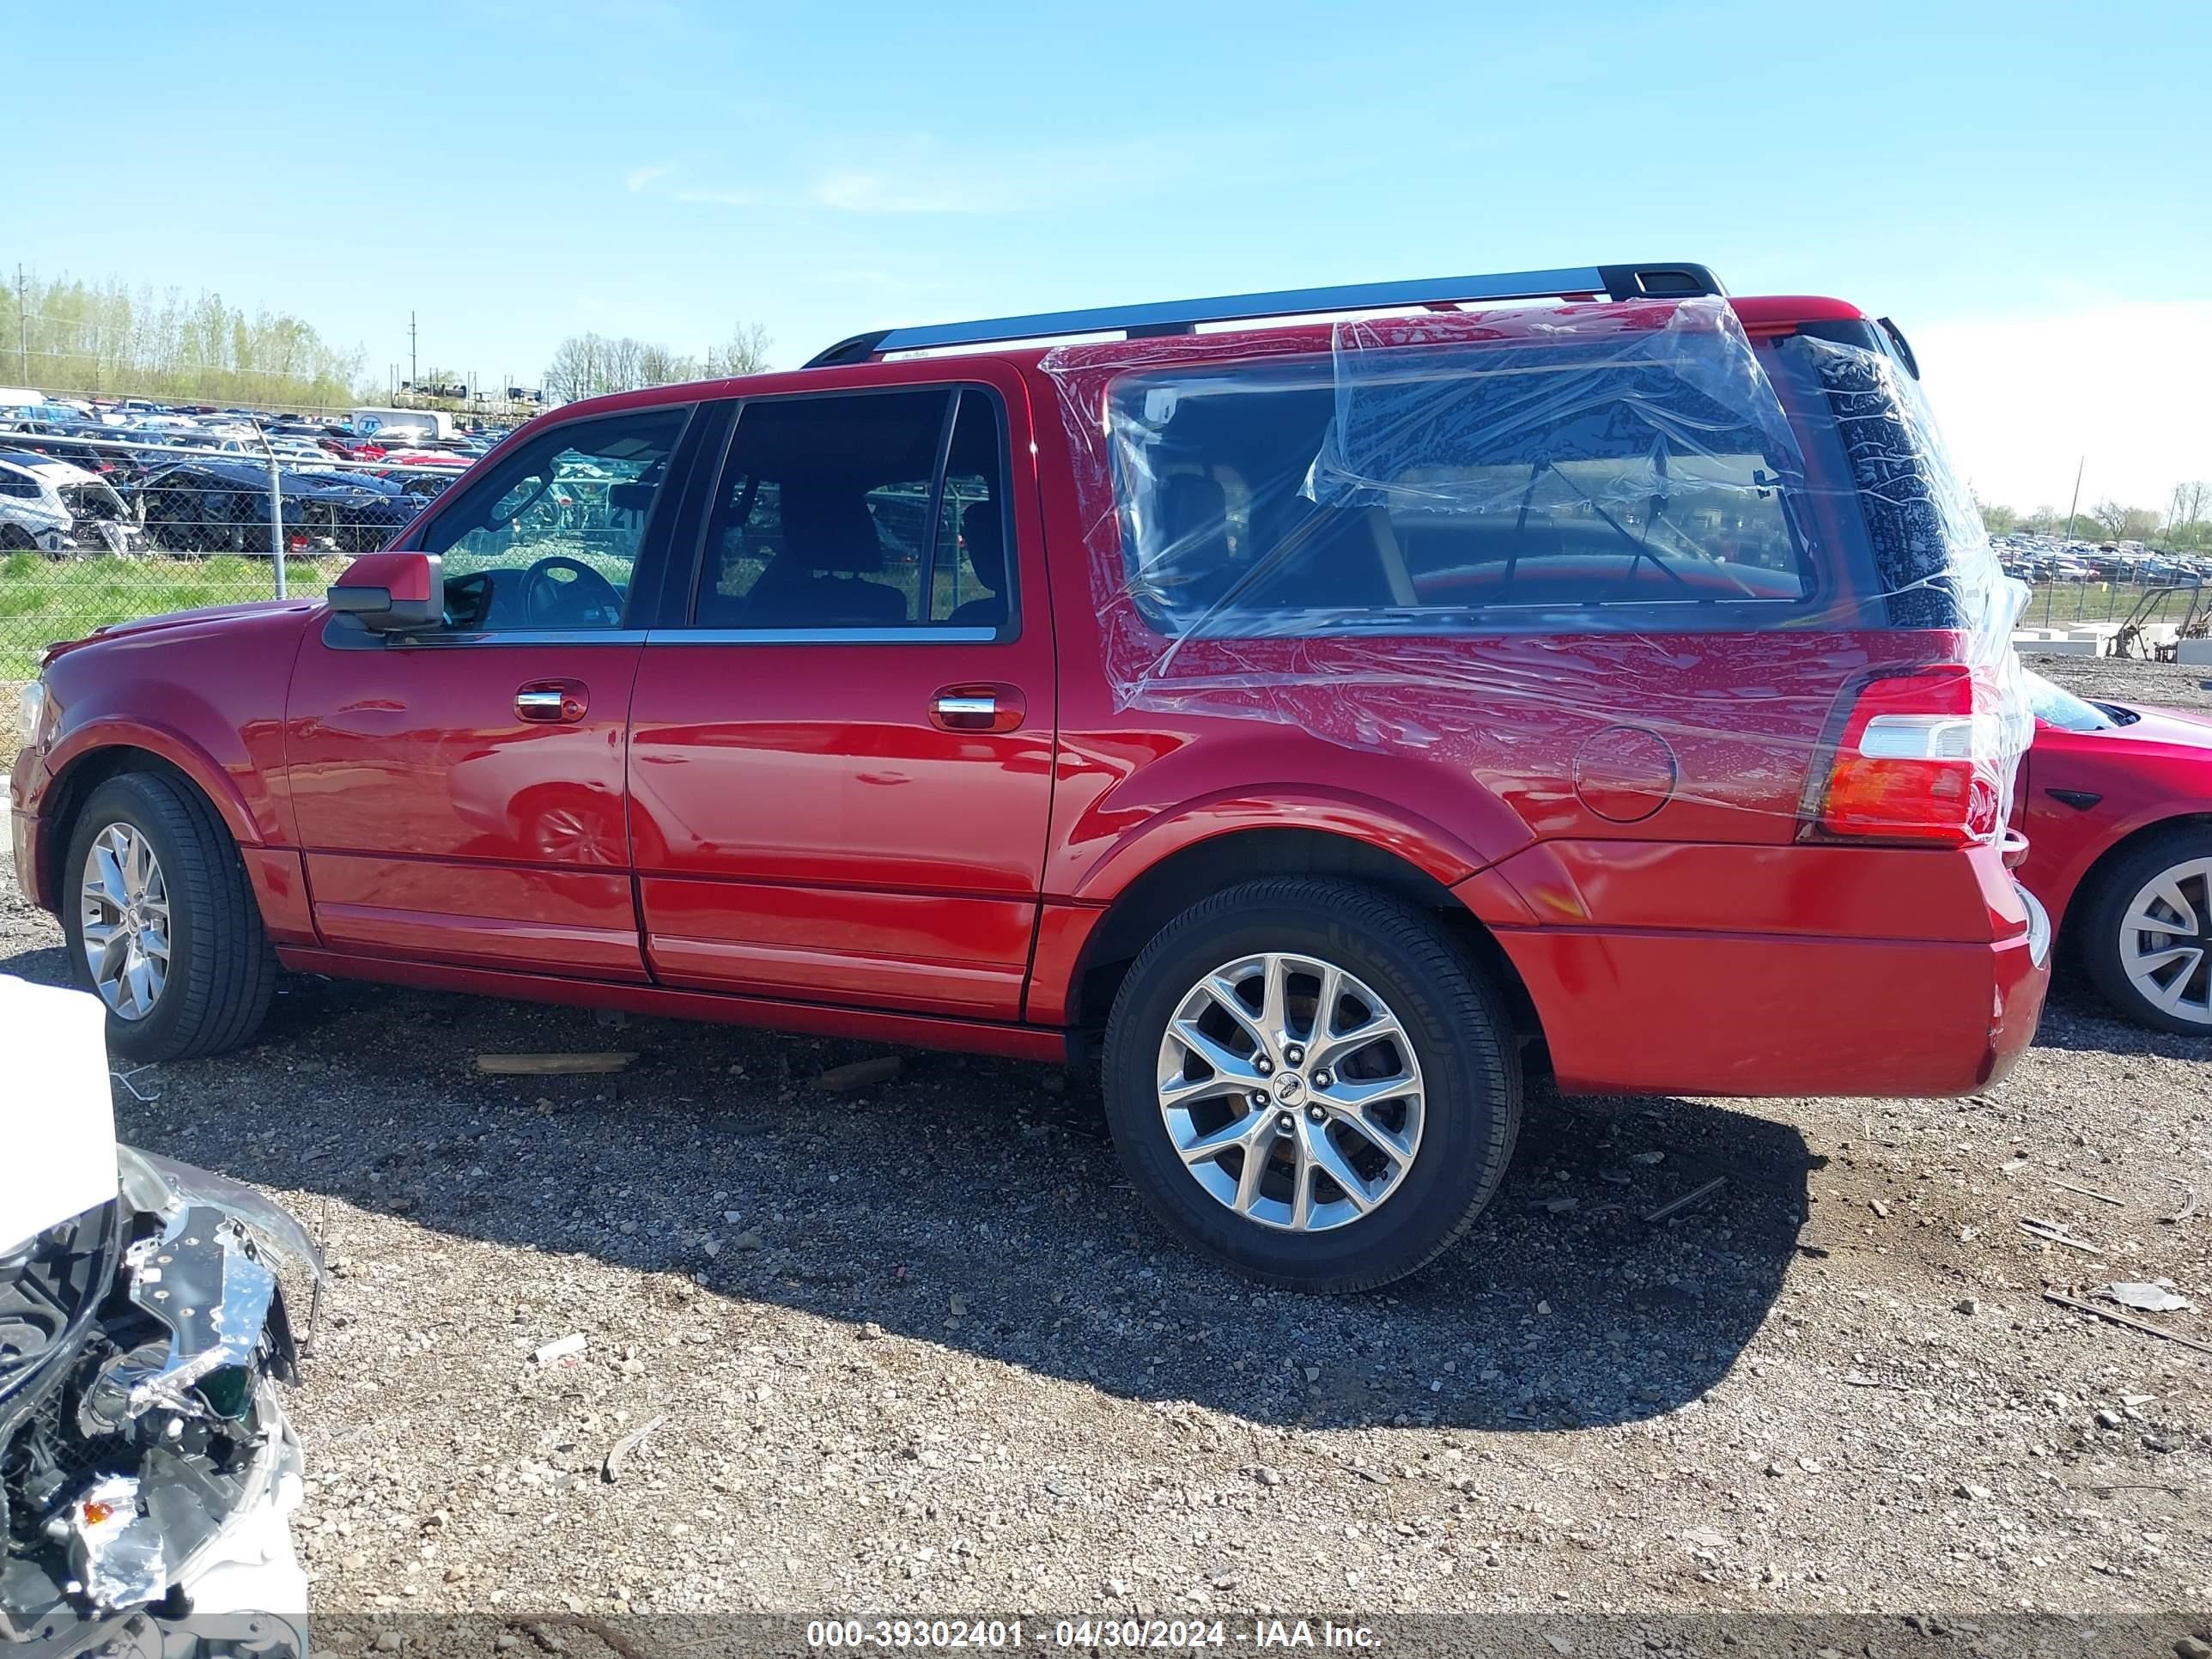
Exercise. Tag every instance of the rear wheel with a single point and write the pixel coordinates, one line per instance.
(1309, 1082)
(161, 923)
(2145, 934)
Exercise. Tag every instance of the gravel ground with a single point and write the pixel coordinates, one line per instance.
(915, 1346)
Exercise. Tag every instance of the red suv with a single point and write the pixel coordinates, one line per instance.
(1327, 719)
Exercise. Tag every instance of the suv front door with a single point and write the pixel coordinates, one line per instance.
(458, 793)
(841, 745)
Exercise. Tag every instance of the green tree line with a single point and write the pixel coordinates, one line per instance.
(2185, 525)
(67, 336)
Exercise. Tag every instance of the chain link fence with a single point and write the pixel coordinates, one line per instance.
(96, 530)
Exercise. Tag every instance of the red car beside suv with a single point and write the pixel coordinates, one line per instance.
(1322, 716)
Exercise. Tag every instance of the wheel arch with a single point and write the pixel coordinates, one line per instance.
(84, 771)
(1165, 889)
(2089, 887)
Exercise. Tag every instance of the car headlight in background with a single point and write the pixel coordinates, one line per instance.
(31, 713)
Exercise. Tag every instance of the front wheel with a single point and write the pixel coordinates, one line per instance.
(161, 923)
(2146, 933)
(1310, 1082)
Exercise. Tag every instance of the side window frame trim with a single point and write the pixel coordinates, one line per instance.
(680, 604)
(652, 547)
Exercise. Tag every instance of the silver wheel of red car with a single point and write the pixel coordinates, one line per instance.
(2166, 941)
(161, 922)
(2142, 925)
(125, 921)
(1290, 1091)
(1312, 1081)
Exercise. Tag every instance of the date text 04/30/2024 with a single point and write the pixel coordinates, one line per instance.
(989, 1635)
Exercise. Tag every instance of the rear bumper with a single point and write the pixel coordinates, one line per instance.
(1650, 1011)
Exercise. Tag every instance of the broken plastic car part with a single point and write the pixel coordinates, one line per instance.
(146, 1466)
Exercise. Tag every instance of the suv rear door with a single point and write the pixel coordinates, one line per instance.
(459, 793)
(840, 742)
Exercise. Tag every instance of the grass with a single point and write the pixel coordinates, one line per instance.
(2060, 605)
(43, 600)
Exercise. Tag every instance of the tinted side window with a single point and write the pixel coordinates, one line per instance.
(973, 585)
(871, 510)
(550, 537)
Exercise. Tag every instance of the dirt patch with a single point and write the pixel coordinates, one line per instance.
(915, 1346)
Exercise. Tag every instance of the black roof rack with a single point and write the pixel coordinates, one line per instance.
(1647, 281)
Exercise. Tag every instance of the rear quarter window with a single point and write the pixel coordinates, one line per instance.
(1637, 483)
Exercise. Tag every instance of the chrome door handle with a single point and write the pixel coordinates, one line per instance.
(978, 706)
(552, 702)
(984, 709)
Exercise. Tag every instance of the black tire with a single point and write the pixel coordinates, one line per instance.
(221, 970)
(1458, 1029)
(2096, 924)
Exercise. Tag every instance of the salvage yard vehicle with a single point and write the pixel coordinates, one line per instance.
(222, 506)
(31, 515)
(146, 1469)
(2118, 814)
(1314, 724)
(98, 520)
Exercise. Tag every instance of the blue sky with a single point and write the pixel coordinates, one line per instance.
(2027, 188)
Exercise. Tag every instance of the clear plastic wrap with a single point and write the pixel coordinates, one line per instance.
(1621, 542)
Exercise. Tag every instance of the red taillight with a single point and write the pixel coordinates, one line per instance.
(1918, 761)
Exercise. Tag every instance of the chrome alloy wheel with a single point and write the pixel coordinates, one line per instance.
(1291, 1092)
(2166, 941)
(126, 920)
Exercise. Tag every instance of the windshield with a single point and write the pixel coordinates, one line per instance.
(2063, 708)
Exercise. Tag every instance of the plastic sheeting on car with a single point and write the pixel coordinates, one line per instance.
(1724, 572)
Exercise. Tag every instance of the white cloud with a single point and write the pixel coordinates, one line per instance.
(638, 178)
(2023, 398)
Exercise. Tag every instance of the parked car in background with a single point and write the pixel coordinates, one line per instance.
(221, 505)
(2117, 810)
(405, 455)
(32, 518)
(1621, 685)
(99, 520)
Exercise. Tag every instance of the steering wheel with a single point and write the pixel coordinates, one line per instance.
(585, 598)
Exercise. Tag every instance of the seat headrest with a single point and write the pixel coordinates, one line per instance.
(984, 530)
(831, 531)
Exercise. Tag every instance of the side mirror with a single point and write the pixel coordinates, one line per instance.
(391, 593)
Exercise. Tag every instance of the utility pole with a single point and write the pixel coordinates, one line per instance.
(414, 373)
(2078, 466)
(23, 320)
